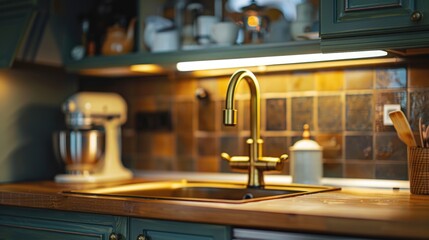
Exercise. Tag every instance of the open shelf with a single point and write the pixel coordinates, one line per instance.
(168, 60)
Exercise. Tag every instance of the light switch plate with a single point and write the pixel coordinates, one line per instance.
(387, 108)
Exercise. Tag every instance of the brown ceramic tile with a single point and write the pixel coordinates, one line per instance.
(206, 115)
(124, 87)
(330, 113)
(387, 98)
(229, 145)
(163, 145)
(210, 85)
(397, 171)
(244, 114)
(359, 170)
(391, 78)
(276, 114)
(359, 112)
(390, 147)
(273, 83)
(358, 79)
(144, 143)
(302, 112)
(186, 163)
(275, 146)
(185, 116)
(185, 144)
(222, 86)
(154, 86)
(244, 147)
(207, 146)
(151, 104)
(208, 164)
(419, 104)
(129, 142)
(330, 80)
(185, 88)
(333, 170)
(156, 163)
(302, 82)
(418, 75)
(332, 145)
(359, 148)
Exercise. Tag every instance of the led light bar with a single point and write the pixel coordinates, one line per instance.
(275, 60)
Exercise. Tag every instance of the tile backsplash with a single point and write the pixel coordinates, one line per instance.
(344, 108)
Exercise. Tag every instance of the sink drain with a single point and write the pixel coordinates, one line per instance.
(248, 196)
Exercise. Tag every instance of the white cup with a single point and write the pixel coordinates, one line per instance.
(304, 12)
(165, 41)
(224, 33)
(298, 28)
(205, 24)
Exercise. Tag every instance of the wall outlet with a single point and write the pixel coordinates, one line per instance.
(387, 108)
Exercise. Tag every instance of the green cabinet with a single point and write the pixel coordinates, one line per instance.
(144, 229)
(15, 20)
(29, 223)
(373, 24)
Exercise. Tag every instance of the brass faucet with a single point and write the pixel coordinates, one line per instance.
(255, 163)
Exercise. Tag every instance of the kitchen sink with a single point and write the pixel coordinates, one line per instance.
(203, 191)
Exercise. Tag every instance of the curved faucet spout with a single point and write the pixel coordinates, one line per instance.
(230, 113)
(254, 163)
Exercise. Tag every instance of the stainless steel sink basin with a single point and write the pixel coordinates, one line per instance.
(202, 191)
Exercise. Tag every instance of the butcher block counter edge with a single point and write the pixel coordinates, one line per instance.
(350, 211)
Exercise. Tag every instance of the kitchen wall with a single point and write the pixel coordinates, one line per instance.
(170, 129)
(30, 100)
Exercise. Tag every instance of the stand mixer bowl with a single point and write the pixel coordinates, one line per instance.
(80, 150)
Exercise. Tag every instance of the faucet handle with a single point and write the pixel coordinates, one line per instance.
(236, 162)
(284, 157)
(272, 163)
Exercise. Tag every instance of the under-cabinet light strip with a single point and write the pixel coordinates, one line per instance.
(275, 60)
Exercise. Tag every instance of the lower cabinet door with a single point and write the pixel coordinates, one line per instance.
(28, 223)
(147, 229)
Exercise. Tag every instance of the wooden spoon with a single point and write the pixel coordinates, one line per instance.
(403, 128)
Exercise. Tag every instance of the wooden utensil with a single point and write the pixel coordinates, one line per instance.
(421, 132)
(424, 134)
(403, 128)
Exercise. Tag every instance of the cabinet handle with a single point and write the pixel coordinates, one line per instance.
(143, 237)
(416, 16)
(115, 236)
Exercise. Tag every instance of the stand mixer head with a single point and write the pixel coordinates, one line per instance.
(81, 147)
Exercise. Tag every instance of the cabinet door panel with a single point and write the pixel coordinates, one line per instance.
(157, 235)
(341, 18)
(356, 5)
(170, 230)
(15, 20)
(18, 223)
(19, 232)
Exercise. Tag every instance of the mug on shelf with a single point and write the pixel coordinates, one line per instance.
(224, 33)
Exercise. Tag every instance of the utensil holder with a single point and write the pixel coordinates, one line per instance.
(418, 170)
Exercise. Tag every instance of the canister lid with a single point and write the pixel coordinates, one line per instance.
(306, 143)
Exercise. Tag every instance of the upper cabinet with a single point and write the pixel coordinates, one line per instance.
(16, 17)
(373, 24)
(108, 36)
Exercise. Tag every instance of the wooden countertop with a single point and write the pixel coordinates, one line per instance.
(350, 211)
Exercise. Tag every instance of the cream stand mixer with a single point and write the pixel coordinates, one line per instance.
(92, 155)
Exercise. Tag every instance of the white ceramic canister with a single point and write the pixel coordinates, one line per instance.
(306, 160)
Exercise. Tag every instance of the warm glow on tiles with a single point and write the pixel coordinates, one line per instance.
(148, 68)
(275, 60)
